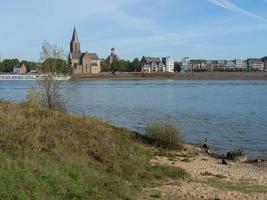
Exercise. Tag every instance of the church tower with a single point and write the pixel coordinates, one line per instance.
(75, 44)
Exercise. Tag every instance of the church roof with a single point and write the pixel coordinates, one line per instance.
(94, 56)
(75, 36)
(76, 55)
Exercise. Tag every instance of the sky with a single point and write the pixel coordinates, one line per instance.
(200, 29)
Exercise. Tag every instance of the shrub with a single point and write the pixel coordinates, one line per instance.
(164, 135)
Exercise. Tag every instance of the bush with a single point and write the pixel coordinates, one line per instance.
(164, 135)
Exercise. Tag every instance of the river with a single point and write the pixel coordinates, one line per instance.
(231, 113)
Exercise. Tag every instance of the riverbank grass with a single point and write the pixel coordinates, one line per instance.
(240, 186)
(164, 135)
(52, 155)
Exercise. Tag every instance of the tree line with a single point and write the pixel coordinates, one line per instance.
(122, 66)
(7, 65)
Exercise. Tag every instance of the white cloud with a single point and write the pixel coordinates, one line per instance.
(170, 39)
(226, 4)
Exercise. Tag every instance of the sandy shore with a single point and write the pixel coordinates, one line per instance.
(195, 75)
(210, 179)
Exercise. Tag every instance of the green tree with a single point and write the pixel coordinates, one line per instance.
(135, 65)
(120, 65)
(8, 64)
(115, 66)
(124, 65)
(55, 66)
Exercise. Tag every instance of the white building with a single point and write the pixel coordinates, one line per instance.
(255, 64)
(239, 64)
(185, 64)
(152, 64)
(20, 69)
(230, 64)
(169, 63)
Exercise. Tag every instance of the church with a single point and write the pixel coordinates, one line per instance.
(82, 63)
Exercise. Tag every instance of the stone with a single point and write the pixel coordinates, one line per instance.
(224, 162)
(258, 160)
(208, 151)
(198, 149)
(236, 156)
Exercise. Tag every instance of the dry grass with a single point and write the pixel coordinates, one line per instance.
(51, 155)
(164, 135)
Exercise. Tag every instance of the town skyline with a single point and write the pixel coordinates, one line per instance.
(210, 29)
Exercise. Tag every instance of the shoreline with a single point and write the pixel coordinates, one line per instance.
(210, 178)
(212, 153)
(177, 76)
(68, 147)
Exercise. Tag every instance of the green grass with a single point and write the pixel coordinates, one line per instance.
(243, 187)
(156, 194)
(166, 171)
(52, 155)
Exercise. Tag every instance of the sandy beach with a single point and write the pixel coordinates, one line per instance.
(211, 180)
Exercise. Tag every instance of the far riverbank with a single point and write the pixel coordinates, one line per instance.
(177, 76)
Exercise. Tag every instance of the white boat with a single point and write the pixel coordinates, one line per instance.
(32, 77)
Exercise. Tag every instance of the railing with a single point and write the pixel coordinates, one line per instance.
(30, 77)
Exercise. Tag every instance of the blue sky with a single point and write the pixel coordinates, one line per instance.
(210, 29)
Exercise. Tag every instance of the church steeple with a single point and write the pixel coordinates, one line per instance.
(75, 44)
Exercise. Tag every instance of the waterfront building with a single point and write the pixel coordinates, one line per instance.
(169, 63)
(245, 65)
(82, 63)
(230, 64)
(239, 64)
(152, 64)
(264, 59)
(221, 64)
(217, 65)
(197, 65)
(33, 71)
(185, 64)
(112, 57)
(20, 69)
(210, 65)
(255, 64)
(177, 66)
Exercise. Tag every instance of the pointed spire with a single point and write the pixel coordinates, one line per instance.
(75, 36)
